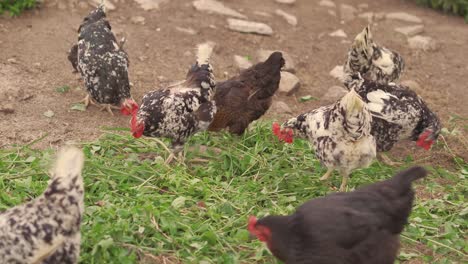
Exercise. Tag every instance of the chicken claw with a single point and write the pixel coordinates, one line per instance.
(327, 174)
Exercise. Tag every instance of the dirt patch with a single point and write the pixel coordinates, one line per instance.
(33, 60)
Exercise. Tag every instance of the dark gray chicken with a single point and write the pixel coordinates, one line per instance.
(246, 97)
(372, 61)
(179, 111)
(47, 230)
(103, 64)
(359, 227)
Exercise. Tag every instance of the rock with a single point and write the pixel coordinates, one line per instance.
(262, 55)
(150, 4)
(242, 62)
(249, 27)
(347, 12)
(413, 85)
(212, 6)
(260, 13)
(189, 31)
(331, 13)
(327, 3)
(138, 20)
(109, 6)
(288, 2)
(7, 109)
(292, 20)
(422, 43)
(281, 107)
(402, 16)
(333, 94)
(289, 83)
(338, 33)
(410, 31)
(338, 73)
(363, 6)
(12, 61)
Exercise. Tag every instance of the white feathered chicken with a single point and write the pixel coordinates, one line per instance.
(372, 61)
(47, 229)
(339, 133)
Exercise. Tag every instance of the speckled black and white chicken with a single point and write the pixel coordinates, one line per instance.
(102, 63)
(372, 61)
(47, 229)
(398, 113)
(179, 111)
(339, 133)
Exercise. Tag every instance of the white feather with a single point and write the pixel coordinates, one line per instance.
(204, 51)
(376, 100)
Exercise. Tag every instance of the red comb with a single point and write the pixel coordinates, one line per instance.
(251, 225)
(276, 129)
(285, 134)
(422, 142)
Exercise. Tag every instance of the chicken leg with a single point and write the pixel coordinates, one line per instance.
(327, 174)
(108, 108)
(344, 182)
(386, 160)
(176, 150)
(87, 101)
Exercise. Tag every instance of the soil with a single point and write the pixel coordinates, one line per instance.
(33, 63)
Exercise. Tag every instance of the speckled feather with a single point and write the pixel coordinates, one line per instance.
(398, 112)
(340, 133)
(247, 96)
(372, 61)
(179, 112)
(47, 229)
(102, 62)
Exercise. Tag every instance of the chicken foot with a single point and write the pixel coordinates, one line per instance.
(386, 160)
(108, 108)
(87, 101)
(327, 174)
(344, 182)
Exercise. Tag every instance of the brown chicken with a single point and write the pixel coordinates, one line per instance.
(246, 97)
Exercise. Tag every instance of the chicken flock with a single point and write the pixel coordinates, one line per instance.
(361, 226)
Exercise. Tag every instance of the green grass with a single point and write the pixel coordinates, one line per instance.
(457, 7)
(197, 213)
(15, 7)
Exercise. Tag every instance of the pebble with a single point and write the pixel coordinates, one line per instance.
(12, 61)
(422, 43)
(288, 2)
(402, 16)
(410, 30)
(189, 31)
(332, 13)
(249, 27)
(149, 4)
(138, 20)
(327, 3)
(338, 73)
(7, 109)
(212, 6)
(333, 94)
(289, 66)
(242, 62)
(281, 107)
(347, 12)
(289, 83)
(338, 33)
(291, 19)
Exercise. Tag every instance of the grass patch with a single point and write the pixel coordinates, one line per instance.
(456, 7)
(137, 207)
(15, 7)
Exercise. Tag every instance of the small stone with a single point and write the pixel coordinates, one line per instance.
(262, 55)
(338, 73)
(327, 3)
(260, 13)
(138, 20)
(422, 43)
(249, 27)
(142, 58)
(331, 13)
(413, 85)
(347, 12)
(288, 2)
(188, 54)
(189, 31)
(12, 61)
(109, 6)
(289, 83)
(402, 16)
(7, 109)
(212, 6)
(338, 34)
(363, 6)
(242, 62)
(161, 78)
(37, 64)
(281, 107)
(150, 4)
(410, 31)
(333, 94)
(49, 113)
(292, 20)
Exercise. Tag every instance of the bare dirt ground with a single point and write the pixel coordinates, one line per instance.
(33, 61)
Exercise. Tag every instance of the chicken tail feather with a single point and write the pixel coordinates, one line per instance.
(70, 161)
(407, 176)
(204, 52)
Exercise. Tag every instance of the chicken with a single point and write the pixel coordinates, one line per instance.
(47, 229)
(372, 61)
(182, 110)
(103, 64)
(246, 97)
(339, 133)
(398, 113)
(359, 227)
